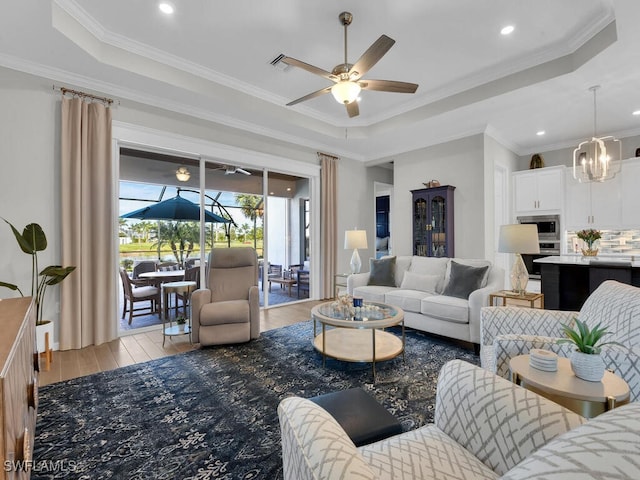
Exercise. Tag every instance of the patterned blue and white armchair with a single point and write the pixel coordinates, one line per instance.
(507, 332)
(485, 427)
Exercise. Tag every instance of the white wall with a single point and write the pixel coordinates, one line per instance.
(356, 207)
(459, 163)
(500, 162)
(29, 185)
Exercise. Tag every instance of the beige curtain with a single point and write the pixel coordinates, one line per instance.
(88, 311)
(328, 223)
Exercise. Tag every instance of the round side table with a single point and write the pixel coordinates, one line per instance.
(185, 288)
(588, 399)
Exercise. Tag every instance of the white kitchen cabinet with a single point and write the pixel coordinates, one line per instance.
(538, 190)
(593, 204)
(630, 193)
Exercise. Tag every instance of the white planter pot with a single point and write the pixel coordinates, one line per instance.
(181, 327)
(587, 366)
(40, 334)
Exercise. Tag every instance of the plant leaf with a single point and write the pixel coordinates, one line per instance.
(34, 234)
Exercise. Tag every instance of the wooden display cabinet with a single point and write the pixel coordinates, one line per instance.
(433, 234)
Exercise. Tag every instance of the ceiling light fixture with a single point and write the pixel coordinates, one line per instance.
(346, 91)
(166, 8)
(540, 133)
(507, 30)
(182, 174)
(637, 112)
(598, 159)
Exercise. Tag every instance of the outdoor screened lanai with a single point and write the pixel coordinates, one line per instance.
(277, 224)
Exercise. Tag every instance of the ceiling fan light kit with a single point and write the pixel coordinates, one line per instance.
(182, 174)
(347, 77)
(345, 92)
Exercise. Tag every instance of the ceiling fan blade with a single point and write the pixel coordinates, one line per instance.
(388, 86)
(309, 68)
(352, 109)
(242, 171)
(310, 96)
(369, 58)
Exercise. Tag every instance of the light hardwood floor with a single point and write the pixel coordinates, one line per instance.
(147, 346)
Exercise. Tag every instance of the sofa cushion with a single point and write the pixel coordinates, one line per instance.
(382, 272)
(219, 313)
(372, 293)
(451, 309)
(417, 281)
(408, 300)
(403, 263)
(464, 279)
(426, 453)
(430, 266)
(472, 262)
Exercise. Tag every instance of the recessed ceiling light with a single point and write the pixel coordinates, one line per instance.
(637, 112)
(540, 133)
(507, 30)
(288, 189)
(166, 8)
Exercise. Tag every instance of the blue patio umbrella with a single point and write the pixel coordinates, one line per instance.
(176, 208)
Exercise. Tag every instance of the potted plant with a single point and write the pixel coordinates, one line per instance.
(31, 241)
(586, 361)
(181, 321)
(589, 236)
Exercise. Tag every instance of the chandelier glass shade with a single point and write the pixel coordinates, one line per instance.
(345, 91)
(599, 158)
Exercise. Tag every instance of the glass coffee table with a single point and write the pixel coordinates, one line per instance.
(359, 338)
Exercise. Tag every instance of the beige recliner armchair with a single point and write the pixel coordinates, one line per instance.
(228, 310)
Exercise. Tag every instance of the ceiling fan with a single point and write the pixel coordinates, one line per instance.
(347, 77)
(230, 170)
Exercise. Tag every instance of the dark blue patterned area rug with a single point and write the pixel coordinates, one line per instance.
(211, 413)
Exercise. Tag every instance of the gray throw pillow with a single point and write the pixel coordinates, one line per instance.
(464, 279)
(382, 272)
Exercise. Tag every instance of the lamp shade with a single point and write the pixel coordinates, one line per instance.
(518, 238)
(345, 91)
(355, 239)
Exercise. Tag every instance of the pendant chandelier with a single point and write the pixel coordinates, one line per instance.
(598, 159)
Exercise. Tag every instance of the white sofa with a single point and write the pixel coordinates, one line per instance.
(485, 427)
(419, 294)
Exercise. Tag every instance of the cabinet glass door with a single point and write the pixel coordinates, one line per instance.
(438, 227)
(420, 227)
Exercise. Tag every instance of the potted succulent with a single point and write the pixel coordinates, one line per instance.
(181, 322)
(31, 241)
(586, 361)
(589, 236)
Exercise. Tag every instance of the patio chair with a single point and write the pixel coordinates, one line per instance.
(143, 266)
(228, 311)
(134, 294)
(275, 271)
(191, 274)
(168, 266)
(302, 281)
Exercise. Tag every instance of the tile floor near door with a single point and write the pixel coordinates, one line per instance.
(142, 347)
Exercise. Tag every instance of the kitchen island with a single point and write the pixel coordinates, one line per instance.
(567, 280)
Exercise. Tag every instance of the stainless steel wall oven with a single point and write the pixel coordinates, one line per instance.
(549, 238)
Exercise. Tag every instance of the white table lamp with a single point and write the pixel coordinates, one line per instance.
(355, 239)
(518, 239)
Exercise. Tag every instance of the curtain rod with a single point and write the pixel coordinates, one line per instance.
(78, 93)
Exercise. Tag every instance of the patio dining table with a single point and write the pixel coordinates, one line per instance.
(164, 276)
